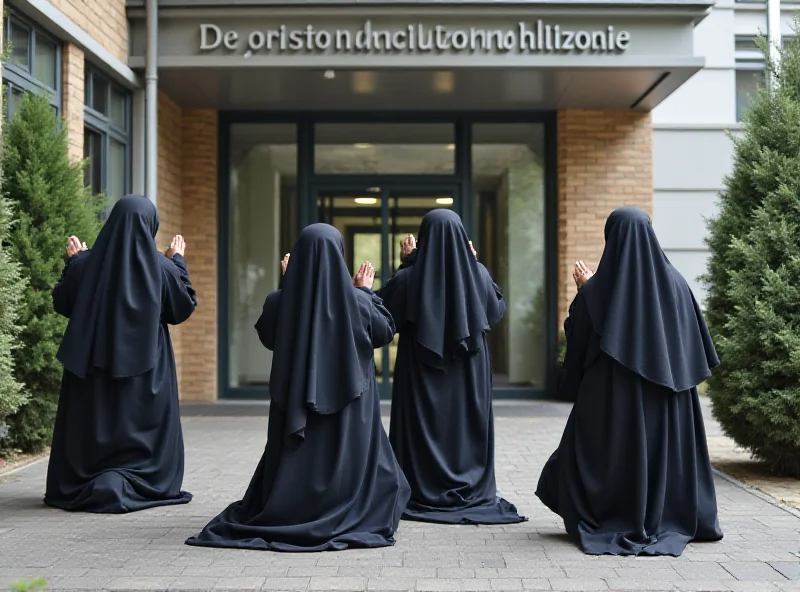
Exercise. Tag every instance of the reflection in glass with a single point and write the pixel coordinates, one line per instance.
(116, 172)
(118, 111)
(509, 184)
(747, 83)
(20, 45)
(44, 63)
(263, 185)
(93, 151)
(384, 148)
(99, 95)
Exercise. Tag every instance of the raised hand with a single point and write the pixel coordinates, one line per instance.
(471, 248)
(365, 276)
(75, 246)
(177, 246)
(284, 263)
(581, 274)
(407, 245)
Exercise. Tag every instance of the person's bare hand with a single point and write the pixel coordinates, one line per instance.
(408, 245)
(75, 246)
(177, 246)
(285, 263)
(365, 276)
(581, 274)
(472, 248)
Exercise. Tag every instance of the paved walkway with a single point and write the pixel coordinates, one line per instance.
(145, 551)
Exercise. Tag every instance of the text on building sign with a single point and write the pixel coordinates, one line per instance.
(538, 37)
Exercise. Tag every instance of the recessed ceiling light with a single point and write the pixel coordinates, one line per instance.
(329, 75)
(366, 201)
(444, 201)
(362, 146)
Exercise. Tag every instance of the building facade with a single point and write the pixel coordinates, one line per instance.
(533, 120)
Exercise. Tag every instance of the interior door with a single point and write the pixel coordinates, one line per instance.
(374, 221)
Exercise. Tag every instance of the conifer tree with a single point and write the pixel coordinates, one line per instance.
(51, 203)
(754, 275)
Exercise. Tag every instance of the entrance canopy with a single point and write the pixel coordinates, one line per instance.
(434, 57)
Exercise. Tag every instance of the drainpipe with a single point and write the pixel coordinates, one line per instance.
(151, 103)
(774, 30)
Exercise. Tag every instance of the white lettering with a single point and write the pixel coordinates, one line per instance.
(623, 39)
(230, 39)
(525, 37)
(205, 44)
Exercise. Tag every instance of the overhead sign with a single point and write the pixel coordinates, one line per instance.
(538, 37)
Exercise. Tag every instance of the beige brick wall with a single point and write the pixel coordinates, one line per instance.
(605, 160)
(105, 20)
(187, 205)
(199, 191)
(73, 98)
(169, 194)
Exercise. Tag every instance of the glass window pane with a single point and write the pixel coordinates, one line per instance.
(93, 150)
(15, 100)
(20, 45)
(118, 109)
(384, 148)
(747, 83)
(509, 184)
(99, 94)
(44, 62)
(116, 171)
(263, 189)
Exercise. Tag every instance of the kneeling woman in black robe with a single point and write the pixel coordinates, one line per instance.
(118, 445)
(328, 479)
(632, 475)
(442, 427)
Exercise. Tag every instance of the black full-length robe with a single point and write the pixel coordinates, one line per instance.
(117, 444)
(328, 479)
(442, 426)
(632, 475)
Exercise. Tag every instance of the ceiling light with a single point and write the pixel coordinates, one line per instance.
(366, 201)
(444, 201)
(329, 75)
(363, 83)
(451, 146)
(362, 146)
(443, 82)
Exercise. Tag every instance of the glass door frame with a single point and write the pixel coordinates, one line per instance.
(464, 203)
(387, 188)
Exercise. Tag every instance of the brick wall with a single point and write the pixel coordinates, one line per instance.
(73, 98)
(199, 192)
(105, 20)
(605, 160)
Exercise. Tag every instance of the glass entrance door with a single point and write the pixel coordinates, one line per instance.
(374, 221)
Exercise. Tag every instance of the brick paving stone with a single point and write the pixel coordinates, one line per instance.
(145, 551)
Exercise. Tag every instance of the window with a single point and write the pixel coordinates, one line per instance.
(34, 64)
(106, 140)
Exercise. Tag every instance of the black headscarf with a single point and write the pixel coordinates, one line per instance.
(114, 324)
(322, 352)
(643, 309)
(446, 292)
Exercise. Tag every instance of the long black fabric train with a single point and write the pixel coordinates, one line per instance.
(117, 444)
(328, 479)
(632, 475)
(442, 426)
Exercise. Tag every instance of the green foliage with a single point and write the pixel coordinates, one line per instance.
(23, 586)
(12, 396)
(754, 277)
(51, 203)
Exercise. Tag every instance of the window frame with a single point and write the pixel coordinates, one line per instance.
(103, 125)
(23, 79)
